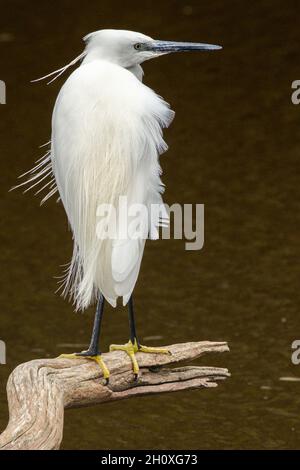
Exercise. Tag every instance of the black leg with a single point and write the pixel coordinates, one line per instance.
(133, 335)
(94, 344)
(93, 352)
(133, 346)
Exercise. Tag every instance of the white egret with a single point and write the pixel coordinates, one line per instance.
(106, 141)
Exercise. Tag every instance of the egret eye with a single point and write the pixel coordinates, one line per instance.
(138, 46)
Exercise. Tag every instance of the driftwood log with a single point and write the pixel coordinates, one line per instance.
(38, 391)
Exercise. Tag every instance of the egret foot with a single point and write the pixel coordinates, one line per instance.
(133, 347)
(94, 357)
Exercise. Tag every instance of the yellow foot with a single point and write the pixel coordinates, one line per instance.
(132, 348)
(97, 358)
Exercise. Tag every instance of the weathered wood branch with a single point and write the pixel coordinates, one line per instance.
(39, 390)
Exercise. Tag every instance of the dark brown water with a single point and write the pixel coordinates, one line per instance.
(234, 146)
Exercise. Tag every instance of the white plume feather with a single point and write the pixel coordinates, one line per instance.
(60, 71)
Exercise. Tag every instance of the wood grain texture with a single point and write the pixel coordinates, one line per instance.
(38, 391)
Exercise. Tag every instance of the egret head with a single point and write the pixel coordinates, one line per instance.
(128, 48)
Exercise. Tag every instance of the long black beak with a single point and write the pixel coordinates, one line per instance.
(171, 46)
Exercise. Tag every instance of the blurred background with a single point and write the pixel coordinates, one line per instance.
(234, 146)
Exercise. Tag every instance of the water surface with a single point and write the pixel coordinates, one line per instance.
(234, 146)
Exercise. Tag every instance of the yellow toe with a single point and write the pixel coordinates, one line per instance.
(130, 349)
(151, 350)
(97, 359)
(68, 356)
(102, 365)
